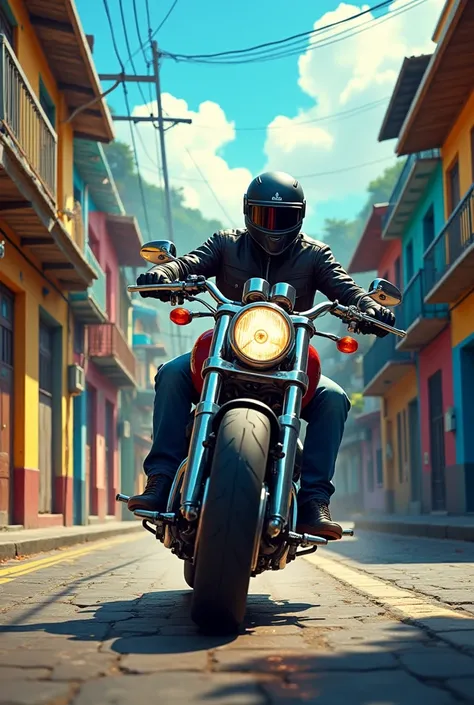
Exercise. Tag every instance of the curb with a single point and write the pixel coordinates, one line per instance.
(432, 531)
(42, 544)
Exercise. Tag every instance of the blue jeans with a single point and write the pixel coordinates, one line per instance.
(326, 415)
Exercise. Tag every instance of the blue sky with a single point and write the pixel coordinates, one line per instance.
(344, 77)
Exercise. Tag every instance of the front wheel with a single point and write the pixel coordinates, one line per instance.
(229, 521)
(189, 573)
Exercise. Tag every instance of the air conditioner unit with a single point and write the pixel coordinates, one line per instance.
(76, 380)
(125, 429)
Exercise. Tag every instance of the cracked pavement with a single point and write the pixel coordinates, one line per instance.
(378, 619)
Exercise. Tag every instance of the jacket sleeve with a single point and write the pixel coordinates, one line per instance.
(333, 281)
(203, 260)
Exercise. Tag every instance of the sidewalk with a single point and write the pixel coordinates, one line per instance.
(26, 542)
(460, 528)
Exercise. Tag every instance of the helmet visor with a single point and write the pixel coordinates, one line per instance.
(275, 218)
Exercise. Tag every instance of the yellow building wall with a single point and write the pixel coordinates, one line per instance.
(35, 65)
(27, 285)
(458, 144)
(396, 400)
(462, 320)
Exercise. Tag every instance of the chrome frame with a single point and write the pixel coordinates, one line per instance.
(256, 364)
(260, 523)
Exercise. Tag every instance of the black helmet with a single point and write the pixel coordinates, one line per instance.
(274, 208)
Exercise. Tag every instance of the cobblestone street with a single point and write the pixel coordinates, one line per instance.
(376, 619)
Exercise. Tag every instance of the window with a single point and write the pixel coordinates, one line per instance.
(398, 272)
(454, 186)
(7, 25)
(379, 467)
(428, 228)
(370, 474)
(45, 359)
(47, 104)
(400, 446)
(472, 154)
(79, 330)
(409, 263)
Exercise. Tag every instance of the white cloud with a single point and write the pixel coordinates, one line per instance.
(344, 76)
(203, 145)
(341, 77)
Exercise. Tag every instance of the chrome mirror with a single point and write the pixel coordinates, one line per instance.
(385, 293)
(158, 251)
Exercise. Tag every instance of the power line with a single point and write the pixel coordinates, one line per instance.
(306, 34)
(132, 135)
(300, 45)
(153, 34)
(127, 44)
(137, 27)
(343, 169)
(323, 118)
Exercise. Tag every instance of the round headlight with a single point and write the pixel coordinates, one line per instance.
(261, 335)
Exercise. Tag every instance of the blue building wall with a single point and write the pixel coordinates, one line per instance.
(79, 459)
(433, 196)
(463, 383)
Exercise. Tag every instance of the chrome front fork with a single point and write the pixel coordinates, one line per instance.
(203, 417)
(290, 425)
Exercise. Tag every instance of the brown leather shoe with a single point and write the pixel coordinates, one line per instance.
(314, 518)
(155, 495)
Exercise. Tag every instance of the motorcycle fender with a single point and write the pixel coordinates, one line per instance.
(244, 403)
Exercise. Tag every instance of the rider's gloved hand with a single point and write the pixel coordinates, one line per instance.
(380, 313)
(150, 278)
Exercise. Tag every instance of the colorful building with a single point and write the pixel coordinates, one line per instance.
(149, 352)
(44, 253)
(433, 117)
(103, 338)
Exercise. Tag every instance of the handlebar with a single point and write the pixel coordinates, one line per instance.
(349, 314)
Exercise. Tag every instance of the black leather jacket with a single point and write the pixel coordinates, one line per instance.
(232, 257)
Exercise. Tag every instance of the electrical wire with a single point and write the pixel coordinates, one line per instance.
(344, 169)
(152, 34)
(137, 27)
(129, 50)
(306, 34)
(229, 219)
(294, 125)
(127, 103)
(299, 46)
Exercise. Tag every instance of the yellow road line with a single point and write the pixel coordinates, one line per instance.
(404, 602)
(11, 572)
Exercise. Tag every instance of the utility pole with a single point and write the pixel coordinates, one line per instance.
(164, 163)
(161, 121)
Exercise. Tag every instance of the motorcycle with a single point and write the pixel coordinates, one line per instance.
(232, 508)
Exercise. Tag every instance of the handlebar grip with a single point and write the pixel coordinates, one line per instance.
(374, 321)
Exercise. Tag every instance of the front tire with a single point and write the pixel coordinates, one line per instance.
(189, 573)
(229, 521)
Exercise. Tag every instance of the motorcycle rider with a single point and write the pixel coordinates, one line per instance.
(272, 247)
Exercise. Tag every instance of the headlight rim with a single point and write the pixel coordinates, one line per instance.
(261, 364)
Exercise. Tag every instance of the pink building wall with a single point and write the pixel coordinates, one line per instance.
(104, 251)
(436, 356)
(103, 492)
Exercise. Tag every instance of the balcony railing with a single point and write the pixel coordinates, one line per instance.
(98, 290)
(414, 306)
(445, 280)
(24, 120)
(109, 348)
(383, 365)
(403, 178)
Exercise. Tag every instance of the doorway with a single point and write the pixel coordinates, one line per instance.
(109, 456)
(414, 451)
(6, 404)
(438, 461)
(45, 431)
(91, 449)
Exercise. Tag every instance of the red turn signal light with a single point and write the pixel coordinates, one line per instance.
(347, 345)
(181, 316)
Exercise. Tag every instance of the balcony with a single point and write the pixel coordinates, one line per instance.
(384, 365)
(109, 350)
(449, 261)
(422, 321)
(90, 306)
(408, 190)
(144, 398)
(28, 168)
